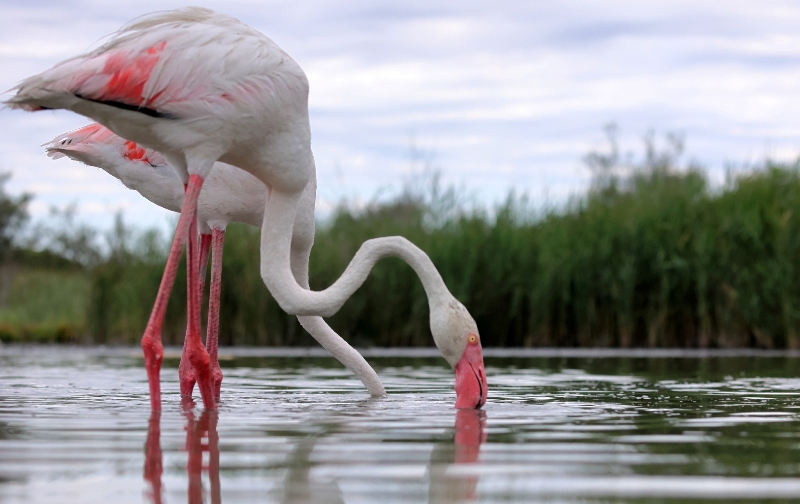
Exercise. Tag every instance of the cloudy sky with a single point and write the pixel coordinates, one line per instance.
(504, 94)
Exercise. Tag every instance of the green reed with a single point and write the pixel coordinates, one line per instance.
(656, 258)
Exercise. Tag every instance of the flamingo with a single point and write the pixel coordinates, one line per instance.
(202, 87)
(229, 195)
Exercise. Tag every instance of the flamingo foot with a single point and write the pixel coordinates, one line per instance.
(201, 364)
(187, 404)
(216, 379)
(186, 376)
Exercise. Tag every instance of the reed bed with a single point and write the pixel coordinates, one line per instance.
(656, 258)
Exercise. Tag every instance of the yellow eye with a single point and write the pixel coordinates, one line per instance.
(473, 338)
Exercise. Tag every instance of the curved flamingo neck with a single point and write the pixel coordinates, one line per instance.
(300, 252)
(276, 271)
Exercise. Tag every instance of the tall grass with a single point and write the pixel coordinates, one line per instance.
(655, 258)
(45, 306)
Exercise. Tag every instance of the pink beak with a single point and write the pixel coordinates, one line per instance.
(471, 387)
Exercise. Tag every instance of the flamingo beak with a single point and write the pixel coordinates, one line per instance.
(471, 386)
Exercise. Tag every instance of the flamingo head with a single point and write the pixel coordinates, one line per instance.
(96, 145)
(89, 145)
(85, 153)
(456, 334)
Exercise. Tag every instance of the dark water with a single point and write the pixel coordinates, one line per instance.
(75, 426)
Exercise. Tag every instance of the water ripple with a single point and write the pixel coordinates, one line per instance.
(75, 426)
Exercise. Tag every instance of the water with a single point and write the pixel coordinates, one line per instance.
(559, 427)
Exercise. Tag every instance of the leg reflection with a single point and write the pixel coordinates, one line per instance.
(153, 465)
(449, 485)
(213, 457)
(204, 427)
(196, 431)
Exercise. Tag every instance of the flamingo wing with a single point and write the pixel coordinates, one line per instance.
(177, 64)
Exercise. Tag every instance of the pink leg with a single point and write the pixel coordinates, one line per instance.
(212, 339)
(151, 340)
(185, 372)
(196, 352)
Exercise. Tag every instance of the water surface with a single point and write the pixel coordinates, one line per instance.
(294, 426)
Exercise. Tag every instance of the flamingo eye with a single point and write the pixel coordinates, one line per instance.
(472, 338)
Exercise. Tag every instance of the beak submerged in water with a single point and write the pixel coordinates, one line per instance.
(471, 387)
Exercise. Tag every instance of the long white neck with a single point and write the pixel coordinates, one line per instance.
(275, 265)
(302, 241)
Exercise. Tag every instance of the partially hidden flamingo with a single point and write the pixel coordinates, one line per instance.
(229, 195)
(202, 87)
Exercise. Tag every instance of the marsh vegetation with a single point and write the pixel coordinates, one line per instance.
(652, 254)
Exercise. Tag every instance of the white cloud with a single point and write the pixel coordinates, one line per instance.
(508, 94)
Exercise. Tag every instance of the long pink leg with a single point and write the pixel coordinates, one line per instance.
(195, 351)
(212, 328)
(185, 372)
(151, 340)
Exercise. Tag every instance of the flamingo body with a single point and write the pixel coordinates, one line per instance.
(229, 195)
(192, 84)
(199, 87)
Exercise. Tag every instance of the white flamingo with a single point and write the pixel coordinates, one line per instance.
(229, 195)
(202, 87)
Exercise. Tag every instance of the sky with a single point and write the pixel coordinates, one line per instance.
(496, 95)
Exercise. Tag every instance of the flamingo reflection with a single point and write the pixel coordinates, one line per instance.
(449, 486)
(197, 429)
(446, 485)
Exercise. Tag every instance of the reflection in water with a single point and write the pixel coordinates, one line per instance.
(563, 430)
(298, 487)
(196, 431)
(446, 486)
(153, 467)
(470, 433)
